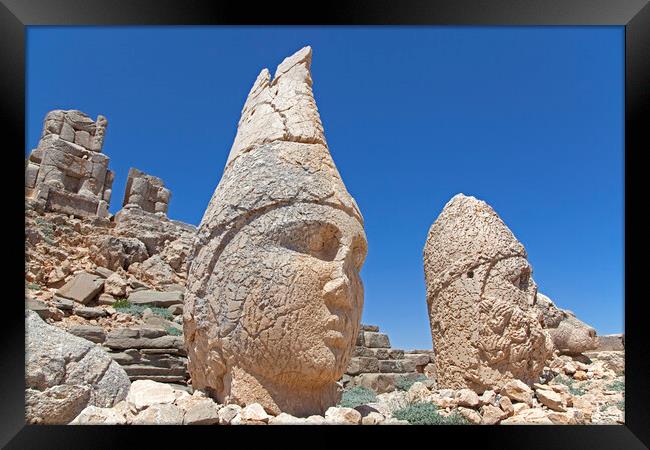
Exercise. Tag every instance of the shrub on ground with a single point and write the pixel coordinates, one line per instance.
(427, 414)
(356, 396)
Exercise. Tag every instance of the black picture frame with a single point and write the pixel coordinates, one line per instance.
(634, 15)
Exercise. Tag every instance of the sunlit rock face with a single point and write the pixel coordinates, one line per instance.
(480, 297)
(274, 297)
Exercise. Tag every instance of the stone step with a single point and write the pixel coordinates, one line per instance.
(379, 353)
(381, 382)
(156, 298)
(91, 332)
(362, 364)
(369, 328)
(137, 369)
(160, 378)
(167, 361)
(420, 359)
(396, 366)
(372, 339)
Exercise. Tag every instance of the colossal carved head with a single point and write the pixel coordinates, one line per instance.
(274, 295)
(480, 295)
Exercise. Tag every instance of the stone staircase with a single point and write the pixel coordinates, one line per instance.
(377, 366)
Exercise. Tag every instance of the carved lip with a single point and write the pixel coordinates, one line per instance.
(335, 331)
(335, 338)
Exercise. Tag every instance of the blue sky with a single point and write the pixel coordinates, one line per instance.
(529, 119)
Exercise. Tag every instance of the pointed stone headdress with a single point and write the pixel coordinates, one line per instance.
(269, 164)
(467, 233)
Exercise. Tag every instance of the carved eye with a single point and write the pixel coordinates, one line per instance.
(523, 280)
(320, 240)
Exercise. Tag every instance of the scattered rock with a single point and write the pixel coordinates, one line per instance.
(228, 413)
(491, 415)
(115, 286)
(65, 373)
(92, 415)
(155, 298)
(518, 391)
(468, 398)
(83, 288)
(145, 393)
(160, 414)
(93, 333)
(342, 416)
(254, 412)
(202, 412)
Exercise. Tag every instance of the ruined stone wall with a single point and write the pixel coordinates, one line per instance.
(147, 192)
(377, 366)
(67, 172)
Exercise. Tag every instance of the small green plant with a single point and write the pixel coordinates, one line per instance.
(427, 414)
(34, 286)
(404, 383)
(161, 312)
(47, 230)
(568, 382)
(174, 331)
(357, 396)
(121, 304)
(617, 385)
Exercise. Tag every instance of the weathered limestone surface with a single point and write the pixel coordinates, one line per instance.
(480, 296)
(274, 296)
(170, 241)
(147, 192)
(65, 373)
(570, 335)
(67, 172)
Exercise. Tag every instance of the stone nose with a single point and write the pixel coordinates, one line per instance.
(337, 293)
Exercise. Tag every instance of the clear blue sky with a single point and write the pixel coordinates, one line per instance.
(530, 120)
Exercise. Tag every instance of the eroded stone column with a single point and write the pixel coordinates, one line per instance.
(67, 172)
(146, 192)
(274, 296)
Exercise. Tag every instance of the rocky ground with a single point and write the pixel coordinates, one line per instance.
(581, 390)
(107, 265)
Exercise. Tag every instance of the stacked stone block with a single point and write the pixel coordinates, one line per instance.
(377, 366)
(67, 172)
(147, 192)
(148, 353)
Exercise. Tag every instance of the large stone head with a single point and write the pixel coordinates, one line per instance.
(274, 295)
(480, 296)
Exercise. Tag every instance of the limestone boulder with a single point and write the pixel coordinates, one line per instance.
(342, 416)
(144, 393)
(65, 373)
(82, 288)
(116, 251)
(115, 285)
(480, 297)
(156, 298)
(274, 296)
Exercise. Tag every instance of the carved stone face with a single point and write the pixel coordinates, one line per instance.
(480, 295)
(294, 295)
